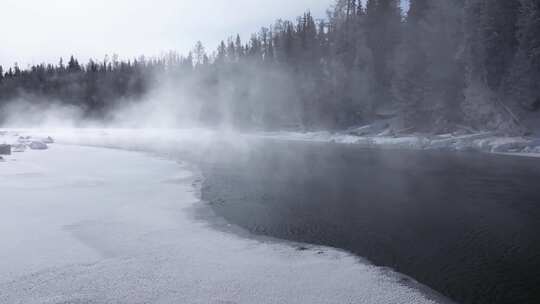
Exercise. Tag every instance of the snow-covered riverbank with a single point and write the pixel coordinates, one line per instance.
(369, 137)
(94, 225)
(481, 141)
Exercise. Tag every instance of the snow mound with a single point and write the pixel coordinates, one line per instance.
(18, 148)
(48, 140)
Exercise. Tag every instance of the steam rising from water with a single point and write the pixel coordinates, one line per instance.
(260, 95)
(26, 112)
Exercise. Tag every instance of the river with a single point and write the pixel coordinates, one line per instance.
(465, 224)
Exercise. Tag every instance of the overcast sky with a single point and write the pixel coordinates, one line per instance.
(34, 31)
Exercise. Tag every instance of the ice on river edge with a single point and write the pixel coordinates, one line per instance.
(141, 245)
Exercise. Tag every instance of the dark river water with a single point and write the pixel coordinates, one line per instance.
(464, 224)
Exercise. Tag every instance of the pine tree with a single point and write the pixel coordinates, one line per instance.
(255, 49)
(525, 75)
(188, 62)
(383, 20)
(200, 52)
(410, 84)
(16, 70)
(482, 106)
(499, 39)
(73, 65)
(221, 53)
(231, 50)
(269, 53)
(238, 48)
(417, 11)
(445, 40)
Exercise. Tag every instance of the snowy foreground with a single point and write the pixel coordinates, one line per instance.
(95, 225)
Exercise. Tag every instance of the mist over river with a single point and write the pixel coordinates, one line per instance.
(465, 224)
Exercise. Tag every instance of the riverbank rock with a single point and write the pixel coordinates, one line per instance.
(5, 149)
(48, 140)
(37, 145)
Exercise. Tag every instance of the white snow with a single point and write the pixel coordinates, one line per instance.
(95, 225)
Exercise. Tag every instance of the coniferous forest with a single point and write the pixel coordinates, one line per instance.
(442, 65)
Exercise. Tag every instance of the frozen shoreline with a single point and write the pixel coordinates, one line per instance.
(131, 240)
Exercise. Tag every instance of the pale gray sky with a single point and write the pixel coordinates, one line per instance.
(34, 31)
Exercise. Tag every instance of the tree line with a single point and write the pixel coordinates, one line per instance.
(440, 65)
